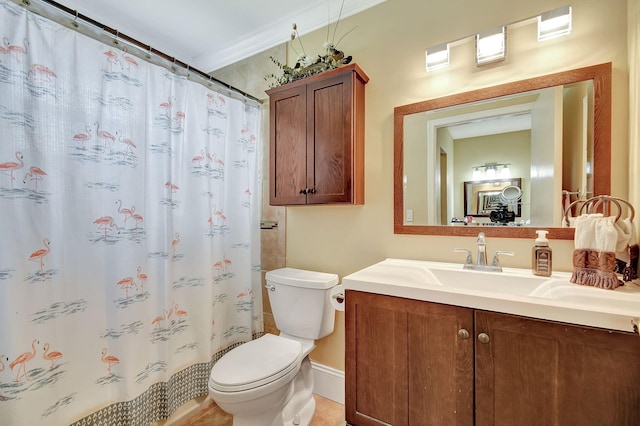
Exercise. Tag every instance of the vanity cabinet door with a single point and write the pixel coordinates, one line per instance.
(407, 362)
(440, 364)
(535, 372)
(376, 360)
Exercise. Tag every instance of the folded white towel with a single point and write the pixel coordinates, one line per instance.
(627, 251)
(594, 262)
(626, 237)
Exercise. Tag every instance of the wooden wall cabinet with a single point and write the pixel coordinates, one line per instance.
(418, 363)
(316, 140)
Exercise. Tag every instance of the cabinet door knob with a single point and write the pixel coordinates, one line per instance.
(463, 333)
(483, 338)
(303, 191)
(312, 191)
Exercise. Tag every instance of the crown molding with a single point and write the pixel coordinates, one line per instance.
(312, 18)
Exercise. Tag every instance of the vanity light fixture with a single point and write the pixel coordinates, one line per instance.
(491, 46)
(437, 57)
(555, 23)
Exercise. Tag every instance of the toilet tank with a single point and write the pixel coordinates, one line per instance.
(300, 302)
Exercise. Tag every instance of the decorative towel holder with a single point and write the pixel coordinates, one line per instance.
(599, 203)
(606, 251)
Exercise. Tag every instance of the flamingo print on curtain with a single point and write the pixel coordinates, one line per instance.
(129, 207)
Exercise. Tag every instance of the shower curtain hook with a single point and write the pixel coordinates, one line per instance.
(115, 40)
(74, 23)
(149, 52)
(173, 67)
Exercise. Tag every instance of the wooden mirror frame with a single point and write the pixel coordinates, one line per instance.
(601, 76)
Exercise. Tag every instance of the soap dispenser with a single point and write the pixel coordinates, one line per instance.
(541, 255)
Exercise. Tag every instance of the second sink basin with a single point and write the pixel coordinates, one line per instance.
(622, 298)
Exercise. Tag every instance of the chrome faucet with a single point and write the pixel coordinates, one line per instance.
(482, 250)
(481, 263)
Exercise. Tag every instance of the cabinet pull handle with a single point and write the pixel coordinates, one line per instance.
(483, 338)
(463, 333)
(303, 191)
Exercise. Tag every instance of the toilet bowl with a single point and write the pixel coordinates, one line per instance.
(268, 381)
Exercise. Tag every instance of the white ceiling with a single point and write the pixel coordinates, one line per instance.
(210, 34)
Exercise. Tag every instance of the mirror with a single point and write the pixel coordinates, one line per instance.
(538, 146)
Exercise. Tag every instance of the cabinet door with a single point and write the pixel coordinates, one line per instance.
(440, 360)
(376, 360)
(534, 372)
(406, 363)
(288, 147)
(329, 138)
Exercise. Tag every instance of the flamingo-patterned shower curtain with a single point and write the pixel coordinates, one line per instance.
(129, 224)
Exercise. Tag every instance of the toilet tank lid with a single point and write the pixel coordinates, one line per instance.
(302, 278)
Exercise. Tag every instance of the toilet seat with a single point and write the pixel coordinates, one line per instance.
(255, 364)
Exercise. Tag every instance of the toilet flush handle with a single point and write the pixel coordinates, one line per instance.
(270, 287)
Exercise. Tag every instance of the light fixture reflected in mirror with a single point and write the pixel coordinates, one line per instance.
(491, 171)
(554, 23)
(491, 46)
(505, 172)
(477, 174)
(437, 57)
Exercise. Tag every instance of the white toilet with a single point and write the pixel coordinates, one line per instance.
(268, 381)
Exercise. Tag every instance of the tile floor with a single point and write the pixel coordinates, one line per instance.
(328, 413)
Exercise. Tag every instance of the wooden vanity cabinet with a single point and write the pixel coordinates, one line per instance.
(405, 363)
(418, 363)
(316, 141)
(536, 372)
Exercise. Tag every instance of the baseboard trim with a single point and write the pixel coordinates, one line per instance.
(328, 382)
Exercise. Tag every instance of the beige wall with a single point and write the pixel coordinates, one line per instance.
(389, 44)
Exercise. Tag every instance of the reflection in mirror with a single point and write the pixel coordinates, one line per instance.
(553, 132)
(493, 201)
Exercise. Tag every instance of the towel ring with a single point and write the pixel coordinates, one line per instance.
(593, 203)
(632, 212)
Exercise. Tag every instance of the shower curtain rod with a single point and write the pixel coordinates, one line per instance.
(144, 47)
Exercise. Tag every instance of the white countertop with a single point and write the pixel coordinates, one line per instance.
(513, 291)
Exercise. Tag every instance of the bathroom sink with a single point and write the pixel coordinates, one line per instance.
(507, 282)
(400, 272)
(450, 276)
(622, 298)
(512, 291)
